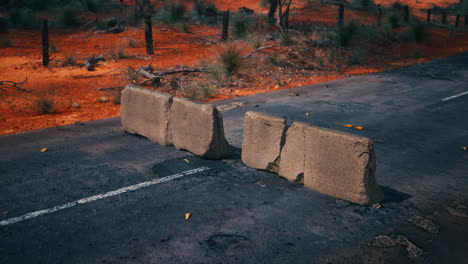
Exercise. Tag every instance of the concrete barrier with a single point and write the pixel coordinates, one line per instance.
(292, 161)
(186, 124)
(262, 141)
(331, 162)
(146, 112)
(341, 165)
(198, 128)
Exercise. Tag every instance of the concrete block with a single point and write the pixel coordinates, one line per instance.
(292, 161)
(198, 128)
(341, 165)
(263, 139)
(146, 112)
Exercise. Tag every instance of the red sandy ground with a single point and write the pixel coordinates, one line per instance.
(173, 47)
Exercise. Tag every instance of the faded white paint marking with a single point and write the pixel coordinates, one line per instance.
(455, 96)
(99, 197)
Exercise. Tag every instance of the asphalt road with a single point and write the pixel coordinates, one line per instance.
(238, 214)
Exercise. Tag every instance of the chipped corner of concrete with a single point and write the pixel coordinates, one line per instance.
(264, 137)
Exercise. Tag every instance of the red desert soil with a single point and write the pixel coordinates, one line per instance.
(77, 99)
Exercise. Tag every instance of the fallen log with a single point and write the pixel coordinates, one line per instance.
(90, 62)
(156, 77)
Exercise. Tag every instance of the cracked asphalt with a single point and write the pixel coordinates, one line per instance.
(242, 215)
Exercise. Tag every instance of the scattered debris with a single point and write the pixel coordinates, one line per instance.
(425, 223)
(261, 184)
(307, 114)
(294, 94)
(349, 125)
(457, 208)
(464, 148)
(379, 141)
(377, 205)
(385, 241)
(187, 216)
(230, 106)
(103, 99)
(44, 150)
(359, 128)
(76, 105)
(340, 204)
(186, 160)
(79, 123)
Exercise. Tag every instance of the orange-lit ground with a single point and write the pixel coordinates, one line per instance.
(174, 47)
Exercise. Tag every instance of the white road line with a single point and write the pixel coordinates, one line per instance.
(455, 96)
(99, 196)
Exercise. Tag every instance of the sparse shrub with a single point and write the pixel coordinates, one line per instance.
(54, 48)
(286, 39)
(70, 60)
(198, 91)
(132, 43)
(69, 17)
(6, 42)
(44, 106)
(273, 60)
(231, 60)
(418, 32)
(256, 41)
(172, 13)
(206, 11)
(132, 74)
(23, 18)
(357, 57)
(240, 27)
(3, 25)
(365, 3)
(121, 54)
(346, 33)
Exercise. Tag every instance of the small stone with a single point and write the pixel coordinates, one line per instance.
(76, 105)
(103, 99)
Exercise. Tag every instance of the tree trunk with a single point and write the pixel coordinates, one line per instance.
(406, 13)
(341, 14)
(225, 34)
(466, 20)
(45, 42)
(285, 20)
(271, 13)
(149, 34)
(444, 18)
(457, 21)
(379, 15)
(429, 11)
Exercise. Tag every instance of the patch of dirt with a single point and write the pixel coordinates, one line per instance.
(73, 97)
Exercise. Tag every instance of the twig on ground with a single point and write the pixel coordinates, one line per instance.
(16, 85)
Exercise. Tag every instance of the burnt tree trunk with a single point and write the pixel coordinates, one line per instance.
(466, 20)
(45, 42)
(406, 13)
(149, 34)
(457, 20)
(341, 14)
(444, 18)
(429, 11)
(285, 20)
(225, 33)
(271, 13)
(379, 15)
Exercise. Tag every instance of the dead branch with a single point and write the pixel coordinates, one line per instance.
(16, 85)
(156, 77)
(91, 61)
(262, 48)
(94, 76)
(109, 88)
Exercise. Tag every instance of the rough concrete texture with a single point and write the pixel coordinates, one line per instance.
(198, 128)
(263, 139)
(146, 112)
(291, 164)
(341, 165)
